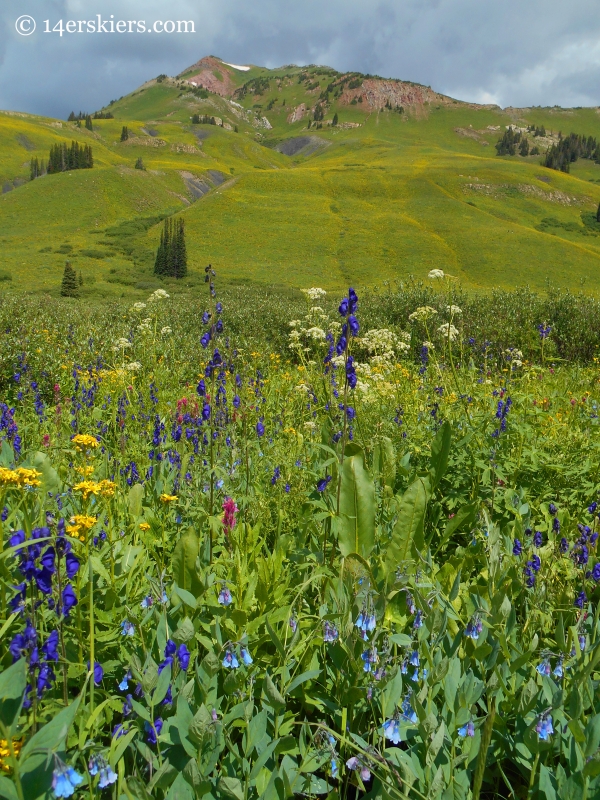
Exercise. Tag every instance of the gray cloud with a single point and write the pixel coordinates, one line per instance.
(511, 53)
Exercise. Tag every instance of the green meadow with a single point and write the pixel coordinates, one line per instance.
(399, 194)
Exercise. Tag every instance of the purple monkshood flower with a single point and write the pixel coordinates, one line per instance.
(98, 672)
(581, 599)
(552, 508)
(563, 546)
(538, 539)
(183, 657)
(69, 600)
(322, 483)
(592, 508)
(50, 647)
(260, 428)
(596, 572)
(72, 565)
(153, 731)
(517, 548)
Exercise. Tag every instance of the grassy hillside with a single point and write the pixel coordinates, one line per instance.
(387, 193)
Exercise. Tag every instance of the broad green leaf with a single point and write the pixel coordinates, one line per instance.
(184, 562)
(7, 789)
(592, 735)
(53, 734)
(299, 679)
(274, 697)
(162, 686)
(384, 461)
(356, 522)
(230, 787)
(136, 496)
(180, 789)
(440, 451)
(12, 686)
(547, 783)
(407, 535)
(50, 479)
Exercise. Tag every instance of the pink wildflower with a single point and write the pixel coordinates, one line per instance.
(229, 511)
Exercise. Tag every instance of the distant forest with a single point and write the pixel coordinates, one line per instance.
(558, 156)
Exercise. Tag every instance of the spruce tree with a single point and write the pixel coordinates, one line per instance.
(69, 282)
(598, 213)
(71, 117)
(88, 123)
(335, 119)
(124, 133)
(139, 164)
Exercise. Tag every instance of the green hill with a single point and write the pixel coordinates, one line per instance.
(274, 193)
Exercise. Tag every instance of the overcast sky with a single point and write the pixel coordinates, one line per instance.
(537, 52)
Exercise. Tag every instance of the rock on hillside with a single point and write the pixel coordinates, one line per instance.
(212, 74)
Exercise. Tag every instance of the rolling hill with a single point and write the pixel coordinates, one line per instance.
(274, 193)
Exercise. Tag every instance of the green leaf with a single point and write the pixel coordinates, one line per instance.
(299, 679)
(384, 461)
(12, 687)
(547, 783)
(7, 789)
(162, 686)
(356, 522)
(185, 630)
(53, 734)
(407, 535)
(464, 516)
(50, 480)
(275, 639)
(440, 450)
(231, 787)
(592, 735)
(180, 789)
(392, 694)
(183, 562)
(187, 597)
(136, 496)
(272, 692)
(257, 729)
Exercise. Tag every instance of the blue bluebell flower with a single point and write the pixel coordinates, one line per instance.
(124, 684)
(224, 596)
(418, 621)
(391, 730)
(544, 667)
(544, 727)
(474, 627)
(558, 671)
(127, 628)
(65, 780)
(414, 659)
(408, 711)
(467, 730)
(245, 656)
(230, 659)
(330, 632)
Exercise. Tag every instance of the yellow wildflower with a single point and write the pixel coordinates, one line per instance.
(105, 488)
(82, 440)
(19, 477)
(168, 498)
(144, 526)
(85, 471)
(5, 752)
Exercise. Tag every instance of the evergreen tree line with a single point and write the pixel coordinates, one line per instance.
(36, 168)
(171, 256)
(203, 119)
(97, 115)
(63, 158)
(560, 156)
(511, 140)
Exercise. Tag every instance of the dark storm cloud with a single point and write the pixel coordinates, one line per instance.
(511, 53)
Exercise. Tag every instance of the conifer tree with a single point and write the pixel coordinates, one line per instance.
(598, 213)
(139, 164)
(335, 119)
(69, 282)
(171, 256)
(124, 133)
(88, 123)
(71, 117)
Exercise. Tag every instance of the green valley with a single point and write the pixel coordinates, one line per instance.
(275, 194)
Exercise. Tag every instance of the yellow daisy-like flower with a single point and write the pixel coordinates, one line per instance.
(168, 498)
(144, 526)
(84, 440)
(85, 471)
(104, 488)
(19, 477)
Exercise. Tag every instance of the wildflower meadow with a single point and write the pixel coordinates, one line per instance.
(355, 555)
